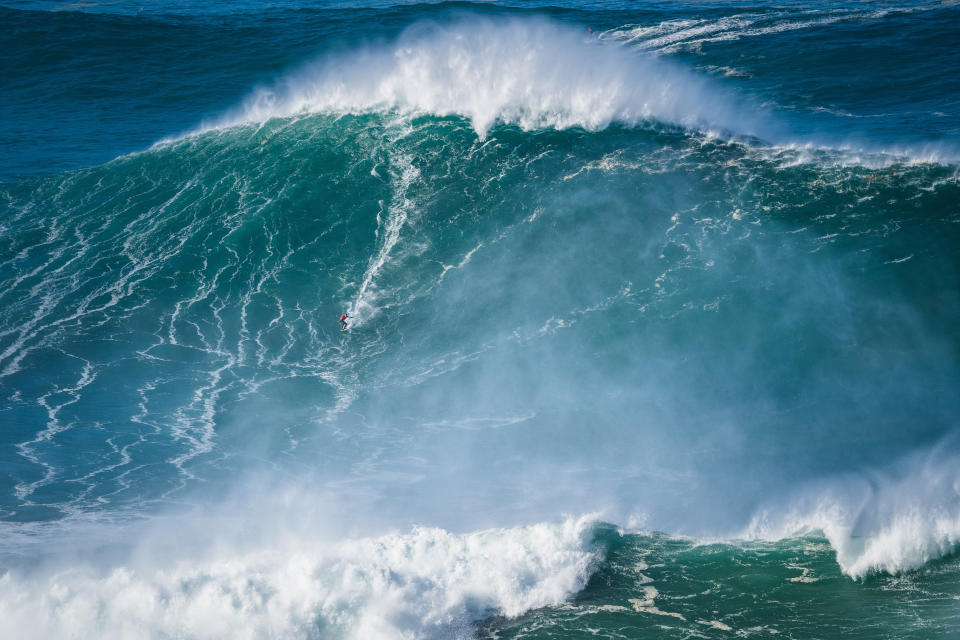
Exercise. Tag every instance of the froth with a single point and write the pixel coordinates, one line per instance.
(428, 583)
(889, 522)
(533, 73)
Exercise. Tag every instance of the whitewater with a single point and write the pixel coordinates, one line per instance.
(653, 320)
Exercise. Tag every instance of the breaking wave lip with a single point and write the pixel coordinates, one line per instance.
(427, 583)
(530, 72)
(881, 522)
(535, 73)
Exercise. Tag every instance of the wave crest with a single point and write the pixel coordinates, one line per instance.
(533, 73)
(890, 522)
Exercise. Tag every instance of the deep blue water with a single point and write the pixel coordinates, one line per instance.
(653, 320)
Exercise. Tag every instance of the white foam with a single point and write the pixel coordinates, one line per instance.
(671, 36)
(428, 583)
(890, 522)
(388, 232)
(533, 73)
(538, 74)
(646, 604)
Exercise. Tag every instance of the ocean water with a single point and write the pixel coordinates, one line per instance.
(653, 329)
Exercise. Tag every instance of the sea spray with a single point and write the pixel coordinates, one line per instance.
(891, 520)
(427, 583)
(529, 72)
(691, 271)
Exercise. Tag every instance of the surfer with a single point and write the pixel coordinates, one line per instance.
(343, 322)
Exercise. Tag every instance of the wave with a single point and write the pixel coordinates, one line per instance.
(689, 34)
(427, 583)
(890, 522)
(532, 73)
(821, 154)
(539, 74)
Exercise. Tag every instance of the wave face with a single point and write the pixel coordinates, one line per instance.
(689, 273)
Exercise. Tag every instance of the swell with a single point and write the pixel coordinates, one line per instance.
(579, 285)
(561, 306)
(691, 34)
(189, 297)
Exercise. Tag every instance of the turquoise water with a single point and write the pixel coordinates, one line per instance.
(653, 328)
(655, 586)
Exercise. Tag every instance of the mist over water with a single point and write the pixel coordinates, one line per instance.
(531, 72)
(664, 276)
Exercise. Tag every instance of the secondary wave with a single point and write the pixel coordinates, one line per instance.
(893, 520)
(670, 36)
